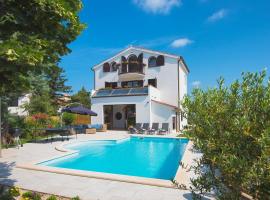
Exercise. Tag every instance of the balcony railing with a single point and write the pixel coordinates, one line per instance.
(136, 68)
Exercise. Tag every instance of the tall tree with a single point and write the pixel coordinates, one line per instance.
(34, 35)
(82, 97)
(57, 83)
(40, 100)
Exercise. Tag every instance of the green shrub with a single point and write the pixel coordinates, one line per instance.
(230, 126)
(52, 197)
(68, 118)
(14, 191)
(75, 198)
(31, 196)
(15, 121)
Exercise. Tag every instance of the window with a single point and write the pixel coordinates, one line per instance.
(118, 116)
(174, 122)
(140, 58)
(14, 102)
(152, 62)
(160, 60)
(152, 82)
(110, 84)
(124, 65)
(132, 63)
(132, 84)
(106, 67)
(114, 66)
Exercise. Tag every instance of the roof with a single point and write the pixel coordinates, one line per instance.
(165, 104)
(143, 50)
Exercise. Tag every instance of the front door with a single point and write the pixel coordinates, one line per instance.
(119, 117)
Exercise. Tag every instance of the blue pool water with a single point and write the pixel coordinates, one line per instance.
(136, 156)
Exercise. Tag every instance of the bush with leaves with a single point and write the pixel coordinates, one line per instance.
(52, 197)
(75, 198)
(68, 118)
(230, 125)
(14, 191)
(31, 196)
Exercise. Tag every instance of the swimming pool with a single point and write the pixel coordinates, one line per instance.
(135, 156)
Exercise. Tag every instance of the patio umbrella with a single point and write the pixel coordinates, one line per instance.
(79, 110)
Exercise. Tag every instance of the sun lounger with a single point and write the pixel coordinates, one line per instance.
(165, 129)
(154, 129)
(144, 128)
(135, 129)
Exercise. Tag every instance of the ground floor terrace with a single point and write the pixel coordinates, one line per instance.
(85, 187)
(120, 116)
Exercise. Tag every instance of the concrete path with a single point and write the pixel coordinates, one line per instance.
(70, 186)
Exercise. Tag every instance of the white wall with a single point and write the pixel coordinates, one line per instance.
(162, 114)
(19, 110)
(141, 102)
(183, 74)
(166, 76)
(169, 78)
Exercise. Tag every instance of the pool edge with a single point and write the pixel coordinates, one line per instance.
(108, 176)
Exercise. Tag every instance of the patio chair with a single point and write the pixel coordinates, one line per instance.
(144, 128)
(154, 129)
(165, 129)
(135, 129)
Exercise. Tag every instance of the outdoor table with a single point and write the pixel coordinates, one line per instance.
(61, 131)
(49, 132)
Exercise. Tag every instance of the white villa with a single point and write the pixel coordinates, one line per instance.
(17, 105)
(139, 85)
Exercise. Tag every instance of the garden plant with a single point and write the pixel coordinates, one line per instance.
(230, 126)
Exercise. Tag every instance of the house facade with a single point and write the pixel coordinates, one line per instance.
(17, 105)
(139, 86)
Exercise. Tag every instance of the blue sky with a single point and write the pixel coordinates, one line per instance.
(215, 37)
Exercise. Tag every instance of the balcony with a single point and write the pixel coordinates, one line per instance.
(131, 71)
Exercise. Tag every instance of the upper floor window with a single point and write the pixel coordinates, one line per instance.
(140, 58)
(131, 84)
(106, 67)
(152, 62)
(14, 102)
(114, 66)
(124, 64)
(132, 63)
(156, 61)
(160, 60)
(110, 84)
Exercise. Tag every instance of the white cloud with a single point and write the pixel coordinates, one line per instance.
(196, 84)
(217, 15)
(181, 42)
(157, 6)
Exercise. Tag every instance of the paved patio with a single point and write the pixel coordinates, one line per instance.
(70, 186)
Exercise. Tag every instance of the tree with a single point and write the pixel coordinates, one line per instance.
(82, 97)
(34, 35)
(40, 101)
(231, 127)
(56, 80)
